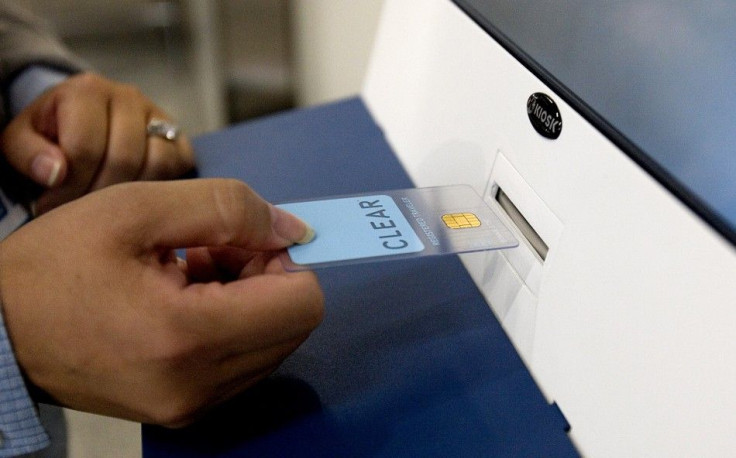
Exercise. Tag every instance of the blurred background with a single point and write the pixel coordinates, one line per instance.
(211, 63)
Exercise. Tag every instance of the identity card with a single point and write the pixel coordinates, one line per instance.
(396, 224)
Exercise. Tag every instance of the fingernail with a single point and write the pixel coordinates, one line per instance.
(290, 227)
(308, 236)
(45, 169)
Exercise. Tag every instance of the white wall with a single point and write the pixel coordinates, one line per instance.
(332, 42)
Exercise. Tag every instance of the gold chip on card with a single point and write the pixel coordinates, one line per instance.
(461, 220)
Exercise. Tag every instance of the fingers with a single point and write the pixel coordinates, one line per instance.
(251, 313)
(205, 264)
(257, 312)
(214, 212)
(88, 133)
(30, 152)
(248, 325)
(265, 308)
(131, 153)
(166, 159)
(83, 128)
(127, 142)
(147, 344)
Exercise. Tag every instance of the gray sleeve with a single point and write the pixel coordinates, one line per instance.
(25, 40)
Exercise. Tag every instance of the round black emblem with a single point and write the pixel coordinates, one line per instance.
(544, 115)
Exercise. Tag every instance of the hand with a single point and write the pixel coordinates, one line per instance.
(104, 318)
(87, 133)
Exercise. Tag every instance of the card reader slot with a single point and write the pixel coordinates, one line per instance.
(526, 229)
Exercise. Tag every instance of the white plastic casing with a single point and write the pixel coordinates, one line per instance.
(629, 323)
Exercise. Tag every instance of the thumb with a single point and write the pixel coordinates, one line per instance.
(217, 212)
(32, 154)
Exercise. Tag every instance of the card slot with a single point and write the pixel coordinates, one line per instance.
(522, 224)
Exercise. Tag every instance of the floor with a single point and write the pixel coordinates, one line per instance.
(95, 436)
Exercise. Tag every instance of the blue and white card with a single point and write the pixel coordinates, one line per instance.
(395, 225)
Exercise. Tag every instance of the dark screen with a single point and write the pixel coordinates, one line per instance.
(658, 77)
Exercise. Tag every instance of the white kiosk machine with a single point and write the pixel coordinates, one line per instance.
(604, 132)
